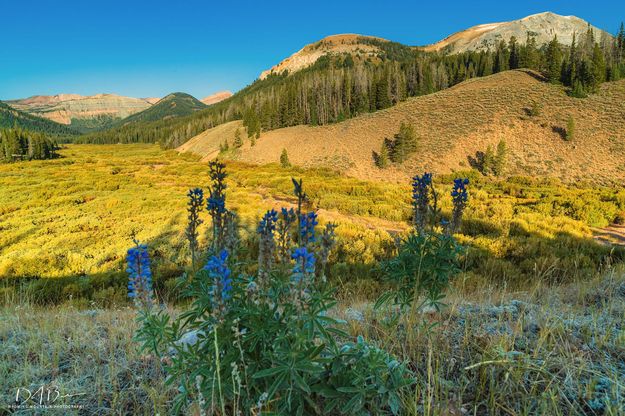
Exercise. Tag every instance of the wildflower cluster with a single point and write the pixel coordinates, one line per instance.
(426, 259)
(274, 349)
(139, 276)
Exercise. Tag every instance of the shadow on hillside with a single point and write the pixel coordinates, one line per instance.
(536, 75)
(560, 131)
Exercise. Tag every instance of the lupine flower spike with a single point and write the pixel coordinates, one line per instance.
(216, 203)
(301, 278)
(421, 186)
(221, 287)
(308, 222)
(139, 276)
(267, 247)
(460, 197)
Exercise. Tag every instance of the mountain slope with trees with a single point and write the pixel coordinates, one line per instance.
(10, 118)
(523, 119)
(339, 86)
(174, 105)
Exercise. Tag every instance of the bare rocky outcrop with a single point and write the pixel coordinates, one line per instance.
(544, 26)
(217, 97)
(63, 108)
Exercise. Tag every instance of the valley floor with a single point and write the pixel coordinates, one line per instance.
(546, 351)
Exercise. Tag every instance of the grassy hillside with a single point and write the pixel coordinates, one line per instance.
(177, 104)
(454, 124)
(10, 117)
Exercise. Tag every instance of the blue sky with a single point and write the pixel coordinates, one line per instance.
(152, 48)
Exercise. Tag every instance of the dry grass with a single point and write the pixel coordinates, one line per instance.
(454, 124)
(542, 351)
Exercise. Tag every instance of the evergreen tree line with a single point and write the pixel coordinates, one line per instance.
(17, 144)
(338, 87)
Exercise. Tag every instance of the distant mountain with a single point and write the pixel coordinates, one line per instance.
(83, 113)
(544, 26)
(11, 117)
(174, 105)
(217, 97)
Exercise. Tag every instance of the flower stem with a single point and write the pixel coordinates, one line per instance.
(218, 366)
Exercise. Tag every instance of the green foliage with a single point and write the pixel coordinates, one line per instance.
(17, 144)
(284, 159)
(424, 265)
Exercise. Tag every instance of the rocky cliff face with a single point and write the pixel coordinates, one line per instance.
(72, 109)
(308, 55)
(544, 26)
(217, 97)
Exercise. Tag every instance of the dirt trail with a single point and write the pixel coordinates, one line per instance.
(614, 234)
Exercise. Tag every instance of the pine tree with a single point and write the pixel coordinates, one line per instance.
(238, 141)
(554, 61)
(405, 143)
(253, 141)
(284, 159)
(488, 163)
(570, 129)
(382, 159)
(500, 159)
(598, 64)
(513, 46)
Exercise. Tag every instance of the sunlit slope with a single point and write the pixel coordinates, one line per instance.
(454, 124)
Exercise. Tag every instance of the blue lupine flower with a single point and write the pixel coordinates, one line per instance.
(308, 222)
(421, 189)
(139, 275)
(221, 288)
(460, 198)
(268, 224)
(216, 204)
(304, 262)
(459, 192)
